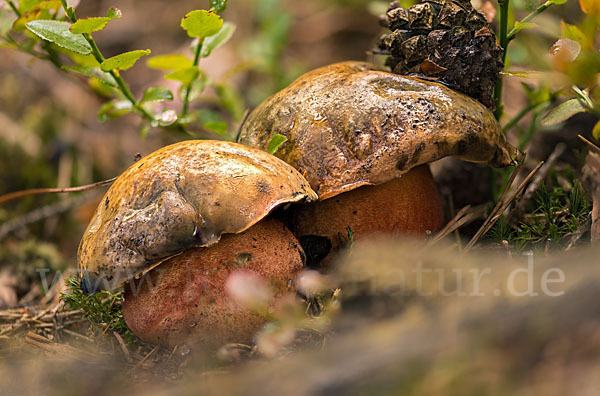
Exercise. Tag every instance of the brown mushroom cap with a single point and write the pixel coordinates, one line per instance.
(349, 125)
(188, 302)
(184, 195)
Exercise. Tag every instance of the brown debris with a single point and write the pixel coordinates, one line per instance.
(591, 179)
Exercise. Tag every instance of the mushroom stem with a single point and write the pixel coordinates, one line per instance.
(408, 205)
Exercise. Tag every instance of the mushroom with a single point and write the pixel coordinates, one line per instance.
(363, 138)
(166, 214)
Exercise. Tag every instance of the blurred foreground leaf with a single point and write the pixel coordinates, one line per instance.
(563, 112)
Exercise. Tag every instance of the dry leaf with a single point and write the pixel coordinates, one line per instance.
(430, 67)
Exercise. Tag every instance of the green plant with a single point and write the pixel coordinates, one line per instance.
(557, 215)
(505, 37)
(102, 309)
(50, 30)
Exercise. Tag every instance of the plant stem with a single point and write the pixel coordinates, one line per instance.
(123, 87)
(188, 90)
(504, 44)
(511, 35)
(513, 121)
(14, 8)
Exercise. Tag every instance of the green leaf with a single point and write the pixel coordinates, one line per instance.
(58, 33)
(93, 24)
(563, 112)
(523, 25)
(114, 109)
(123, 61)
(95, 72)
(169, 62)
(186, 76)
(155, 94)
(201, 23)
(276, 141)
(231, 100)
(212, 121)
(218, 6)
(596, 131)
(197, 87)
(573, 32)
(557, 2)
(215, 41)
(89, 25)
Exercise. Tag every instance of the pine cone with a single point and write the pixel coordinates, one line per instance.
(445, 40)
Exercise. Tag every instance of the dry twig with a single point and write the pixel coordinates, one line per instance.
(502, 205)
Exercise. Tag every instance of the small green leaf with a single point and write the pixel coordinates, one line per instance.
(186, 76)
(201, 23)
(215, 41)
(114, 109)
(114, 13)
(95, 72)
(123, 61)
(89, 25)
(169, 62)
(596, 131)
(276, 141)
(563, 112)
(58, 33)
(93, 24)
(523, 25)
(155, 94)
(218, 6)
(212, 121)
(557, 2)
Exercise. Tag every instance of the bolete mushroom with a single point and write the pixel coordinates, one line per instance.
(363, 138)
(171, 208)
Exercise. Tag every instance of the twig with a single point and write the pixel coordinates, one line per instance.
(592, 145)
(39, 214)
(495, 215)
(123, 346)
(452, 225)
(24, 193)
(75, 334)
(141, 362)
(541, 175)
